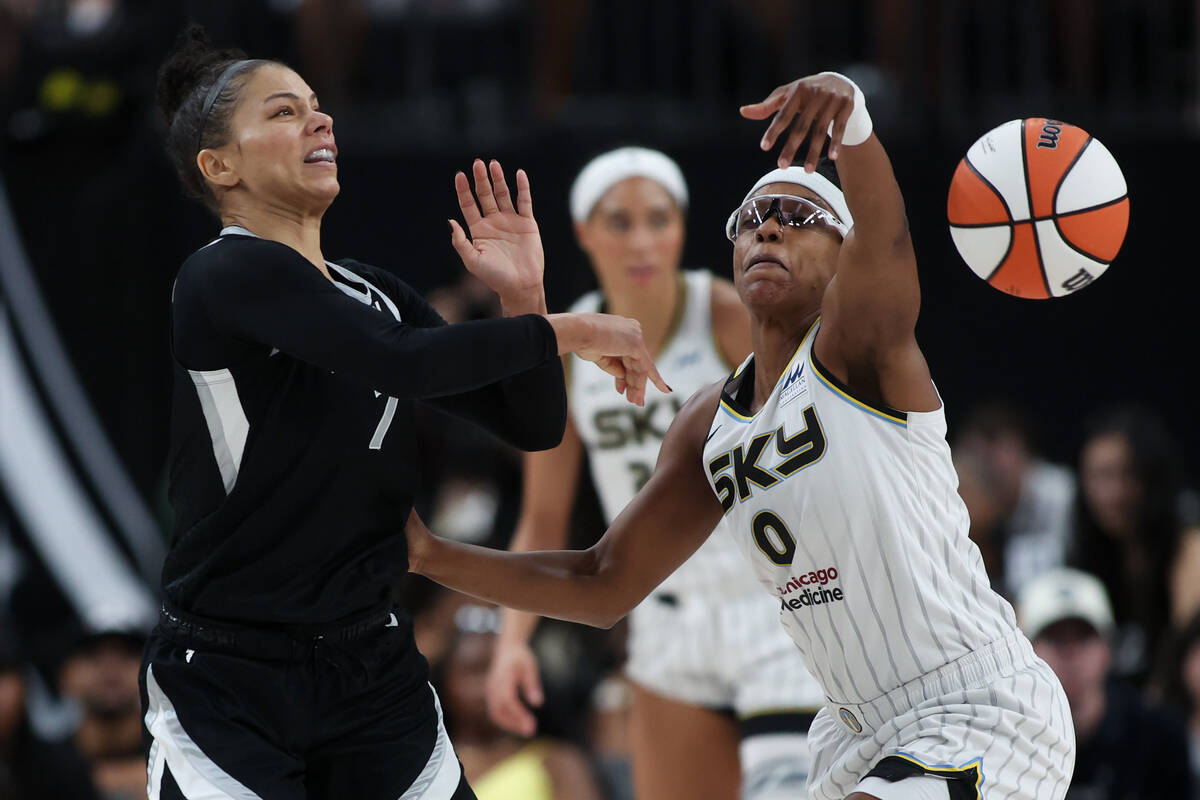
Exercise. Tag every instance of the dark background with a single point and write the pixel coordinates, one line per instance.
(418, 89)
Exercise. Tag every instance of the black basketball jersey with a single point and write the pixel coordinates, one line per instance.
(293, 461)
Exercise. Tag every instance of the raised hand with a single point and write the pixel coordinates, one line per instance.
(504, 249)
(614, 344)
(807, 104)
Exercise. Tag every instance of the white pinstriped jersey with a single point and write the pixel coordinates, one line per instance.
(622, 440)
(850, 515)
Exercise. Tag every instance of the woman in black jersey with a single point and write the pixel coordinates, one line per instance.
(279, 669)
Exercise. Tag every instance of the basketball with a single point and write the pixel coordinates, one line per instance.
(1038, 208)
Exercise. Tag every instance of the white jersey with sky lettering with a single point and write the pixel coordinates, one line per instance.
(707, 636)
(622, 440)
(849, 515)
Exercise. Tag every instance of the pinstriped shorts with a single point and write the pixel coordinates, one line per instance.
(729, 654)
(995, 723)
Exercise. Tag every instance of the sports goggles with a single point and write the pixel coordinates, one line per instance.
(791, 210)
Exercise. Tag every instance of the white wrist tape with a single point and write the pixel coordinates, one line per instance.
(858, 126)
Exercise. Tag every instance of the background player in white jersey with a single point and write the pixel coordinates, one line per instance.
(707, 642)
(844, 505)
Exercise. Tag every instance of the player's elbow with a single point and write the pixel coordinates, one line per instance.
(605, 615)
(607, 601)
(606, 622)
(541, 428)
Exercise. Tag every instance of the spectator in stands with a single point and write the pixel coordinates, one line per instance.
(1183, 686)
(1128, 749)
(499, 765)
(100, 675)
(1129, 533)
(30, 768)
(1020, 504)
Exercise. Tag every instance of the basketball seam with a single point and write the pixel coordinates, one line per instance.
(1012, 239)
(1065, 173)
(1037, 243)
(992, 186)
(1086, 209)
(1081, 251)
(1065, 215)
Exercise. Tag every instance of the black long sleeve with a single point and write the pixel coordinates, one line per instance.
(293, 450)
(264, 293)
(528, 410)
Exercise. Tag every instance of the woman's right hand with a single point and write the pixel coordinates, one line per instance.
(614, 344)
(513, 686)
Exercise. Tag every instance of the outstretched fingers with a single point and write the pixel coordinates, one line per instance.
(767, 107)
(657, 379)
(839, 129)
(783, 118)
(466, 200)
(500, 186)
(483, 188)
(463, 245)
(813, 127)
(524, 198)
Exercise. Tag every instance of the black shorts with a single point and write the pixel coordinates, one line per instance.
(250, 714)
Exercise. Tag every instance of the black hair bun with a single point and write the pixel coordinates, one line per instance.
(193, 62)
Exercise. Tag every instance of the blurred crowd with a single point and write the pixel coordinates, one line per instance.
(1100, 556)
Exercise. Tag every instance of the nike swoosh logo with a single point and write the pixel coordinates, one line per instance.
(714, 433)
(392, 621)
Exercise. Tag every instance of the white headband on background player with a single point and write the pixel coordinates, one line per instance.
(608, 169)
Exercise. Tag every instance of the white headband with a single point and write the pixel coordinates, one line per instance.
(607, 170)
(810, 180)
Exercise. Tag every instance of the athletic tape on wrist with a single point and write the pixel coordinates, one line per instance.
(858, 126)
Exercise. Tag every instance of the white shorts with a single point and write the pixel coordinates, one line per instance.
(994, 723)
(923, 787)
(733, 655)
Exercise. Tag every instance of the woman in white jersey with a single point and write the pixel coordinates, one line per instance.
(845, 506)
(714, 677)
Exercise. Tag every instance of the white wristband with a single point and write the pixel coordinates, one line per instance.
(858, 126)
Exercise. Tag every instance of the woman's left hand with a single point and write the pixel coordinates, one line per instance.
(504, 249)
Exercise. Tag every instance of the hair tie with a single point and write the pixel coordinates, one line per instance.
(211, 98)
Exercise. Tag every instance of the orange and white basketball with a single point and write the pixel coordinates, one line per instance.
(1038, 208)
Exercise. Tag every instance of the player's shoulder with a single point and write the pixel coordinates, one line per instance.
(730, 321)
(236, 258)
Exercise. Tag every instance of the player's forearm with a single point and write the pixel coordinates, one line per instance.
(563, 584)
(517, 627)
(873, 195)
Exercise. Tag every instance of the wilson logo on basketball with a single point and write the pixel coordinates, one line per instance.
(1038, 208)
(1048, 139)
